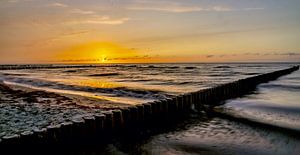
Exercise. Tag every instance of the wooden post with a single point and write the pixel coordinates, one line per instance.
(40, 135)
(117, 119)
(133, 114)
(13, 139)
(66, 132)
(141, 110)
(54, 133)
(78, 129)
(90, 126)
(109, 122)
(148, 111)
(126, 116)
(27, 137)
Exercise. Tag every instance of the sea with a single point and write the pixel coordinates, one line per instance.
(275, 103)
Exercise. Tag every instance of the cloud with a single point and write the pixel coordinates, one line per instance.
(51, 40)
(59, 5)
(209, 56)
(179, 8)
(106, 20)
(83, 12)
(17, 1)
(219, 9)
(72, 10)
(142, 57)
(251, 9)
(285, 53)
(13, 1)
(75, 33)
(176, 7)
(291, 54)
(193, 35)
(80, 60)
(91, 17)
(249, 53)
(275, 53)
(109, 21)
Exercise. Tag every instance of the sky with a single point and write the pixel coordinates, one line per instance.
(149, 31)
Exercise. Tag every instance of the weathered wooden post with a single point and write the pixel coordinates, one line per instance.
(99, 123)
(40, 136)
(109, 122)
(27, 137)
(164, 104)
(126, 117)
(148, 111)
(141, 110)
(133, 114)
(66, 132)
(78, 129)
(13, 139)
(171, 105)
(117, 119)
(90, 126)
(54, 133)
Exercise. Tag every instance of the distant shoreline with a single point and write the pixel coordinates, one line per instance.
(273, 62)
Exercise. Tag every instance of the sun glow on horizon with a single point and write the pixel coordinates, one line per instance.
(99, 52)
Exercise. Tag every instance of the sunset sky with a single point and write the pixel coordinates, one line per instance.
(135, 31)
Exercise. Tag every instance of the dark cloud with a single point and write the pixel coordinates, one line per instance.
(209, 56)
(131, 58)
(81, 60)
(291, 54)
(283, 53)
(251, 53)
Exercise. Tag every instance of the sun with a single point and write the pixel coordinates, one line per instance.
(101, 52)
(104, 59)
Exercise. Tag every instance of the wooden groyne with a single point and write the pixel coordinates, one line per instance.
(94, 128)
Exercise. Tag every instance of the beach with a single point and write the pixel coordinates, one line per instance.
(36, 99)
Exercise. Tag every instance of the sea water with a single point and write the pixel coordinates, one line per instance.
(276, 103)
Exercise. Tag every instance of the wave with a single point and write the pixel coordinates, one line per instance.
(13, 74)
(155, 66)
(277, 109)
(70, 71)
(157, 81)
(105, 74)
(252, 66)
(281, 86)
(190, 67)
(223, 66)
(184, 83)
(117, 91)
(249, 73)
(135, 80)
(223, 74)
(256, 122)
